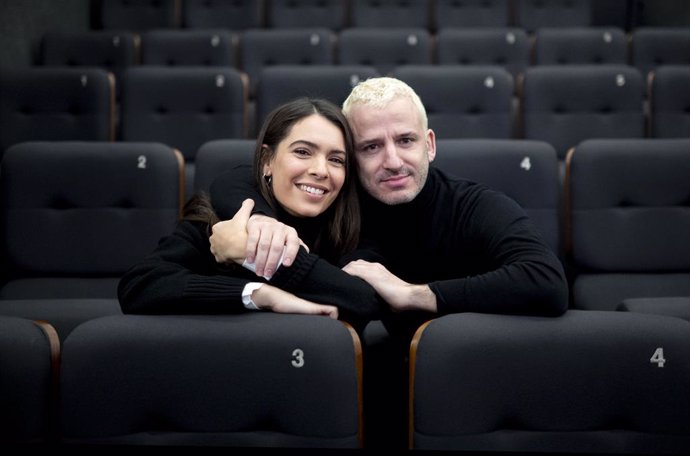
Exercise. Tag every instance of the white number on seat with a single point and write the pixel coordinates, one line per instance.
(658, 357)
(141, 161)
(297, 357)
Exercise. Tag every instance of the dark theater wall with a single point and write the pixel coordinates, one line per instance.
(23, 22)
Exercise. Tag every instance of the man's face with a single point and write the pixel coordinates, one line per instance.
(393, 150)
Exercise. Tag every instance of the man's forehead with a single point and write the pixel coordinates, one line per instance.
(366, 119)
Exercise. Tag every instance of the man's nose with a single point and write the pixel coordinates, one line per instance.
(392, 159)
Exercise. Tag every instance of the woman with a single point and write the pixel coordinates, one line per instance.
(302, 169)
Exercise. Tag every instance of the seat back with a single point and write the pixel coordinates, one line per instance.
(508, 47)
(611, 385)
(566, 105)
(216, 157)
(580, 45)
(236, 15)
(330, 14)
(471, 13)
(628, 220)
(189, 48)
(669, 96)
(281, 83)
(75, 214)
(390, 14)
(384, 48)
(113, 51)
(138, 15)
(29, 353)
(184, 107)
(535, 14)
(56, 104)
(260, 48)
(464, 102)
(656, 46)
(527, 171)
(264, 379)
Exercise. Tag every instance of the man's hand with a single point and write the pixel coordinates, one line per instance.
(272, 298)
(229, 238)
(267, 241)
(399, 294)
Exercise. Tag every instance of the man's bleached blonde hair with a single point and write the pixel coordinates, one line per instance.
(379, 92)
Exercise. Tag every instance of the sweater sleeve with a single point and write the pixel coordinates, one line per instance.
(315, 279)
(181, 276)
(522, 274)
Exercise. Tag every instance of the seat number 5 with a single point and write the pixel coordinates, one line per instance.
(658, 357)
(297, 357)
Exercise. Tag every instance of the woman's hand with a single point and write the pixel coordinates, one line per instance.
(229, 238)
(271, 298)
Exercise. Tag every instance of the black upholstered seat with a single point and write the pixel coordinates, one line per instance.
(586, 382)
(251, 380)
(628, 220)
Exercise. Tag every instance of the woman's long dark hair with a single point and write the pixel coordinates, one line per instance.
(343, 218)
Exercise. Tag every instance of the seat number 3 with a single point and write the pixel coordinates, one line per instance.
(297, 357)
(658, 357)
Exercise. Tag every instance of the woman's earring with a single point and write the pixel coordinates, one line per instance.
(268, 179)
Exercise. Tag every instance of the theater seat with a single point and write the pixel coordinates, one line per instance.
(29, 354)
(216, 157)
(55, 104)
(587, 382)
(627, 221)
(74, 216)
(249, 380)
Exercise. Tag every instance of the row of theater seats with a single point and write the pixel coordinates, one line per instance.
(252, 50)
(91, 209)
(610, 375)
(340, 14)
(186, 107)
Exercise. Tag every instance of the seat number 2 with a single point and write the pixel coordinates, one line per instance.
(297, 357)
(658, 357)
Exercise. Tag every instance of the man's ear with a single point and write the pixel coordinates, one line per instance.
(431, 144)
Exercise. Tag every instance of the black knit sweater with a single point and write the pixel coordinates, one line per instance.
(181, 276)
(474, 246)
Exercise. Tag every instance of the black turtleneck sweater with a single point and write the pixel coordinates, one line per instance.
(182, 276)
(475, 247)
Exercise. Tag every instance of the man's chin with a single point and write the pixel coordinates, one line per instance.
(394, 198)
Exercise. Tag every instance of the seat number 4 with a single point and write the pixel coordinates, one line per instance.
(658, 357)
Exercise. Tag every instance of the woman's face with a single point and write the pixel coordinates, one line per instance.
(308, 167)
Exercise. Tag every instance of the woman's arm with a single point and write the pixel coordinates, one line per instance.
(181, 276)
(309, 277)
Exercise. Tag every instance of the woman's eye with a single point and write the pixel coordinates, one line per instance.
(301, 151)
(338, 160)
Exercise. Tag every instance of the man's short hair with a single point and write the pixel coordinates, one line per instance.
(379, 92)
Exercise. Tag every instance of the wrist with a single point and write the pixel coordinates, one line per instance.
(421, 297)
(247, 294)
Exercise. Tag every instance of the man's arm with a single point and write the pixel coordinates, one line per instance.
(268, 240)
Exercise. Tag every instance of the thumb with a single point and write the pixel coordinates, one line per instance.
(243, 214)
